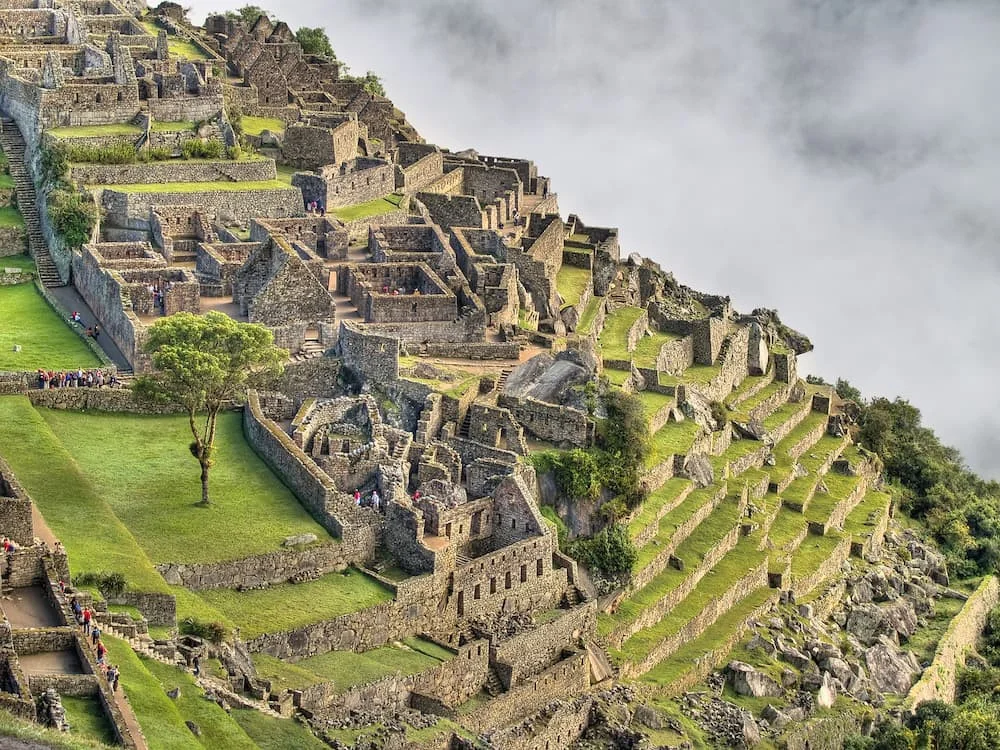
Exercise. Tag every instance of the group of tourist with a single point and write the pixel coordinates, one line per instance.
(85, 619)
(8, 545)
(75, 379)
(158, 296)
(399, 290)
(315, 207)
(374, 501)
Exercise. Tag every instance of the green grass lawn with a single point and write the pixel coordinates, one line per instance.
(186, 50)
(96, 131)
(10, 218)
(289, 606)
(80, 516)
(614, 337)
(45, 339)
(87, 719)
(286, 172)
(197, 187)
(648, 348)
(346, 669)
(257, 125)
(665, 495)
(571, 283)
(6, 181)
(35, 736)
(365, 210)
(673, 439)
(269, 733)
(251, 511)
(172, 127)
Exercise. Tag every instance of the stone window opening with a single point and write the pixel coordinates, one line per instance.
(475, 592)
(539, 567)
(506, 580)
(524, 574)
(447, 530)
(461, 603)
(493, 585)
(513, 523)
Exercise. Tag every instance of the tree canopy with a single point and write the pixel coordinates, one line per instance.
(314, 41)
(249, 14)
(203, 362)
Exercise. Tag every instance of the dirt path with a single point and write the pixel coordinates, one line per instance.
(41, 528)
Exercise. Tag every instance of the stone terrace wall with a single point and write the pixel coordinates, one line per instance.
(550, 421)
(98, 399)
(565, 725)
(258, 170)
(532, 651)
(938, 680)
(271, 568)
(242, 205)
(370, 354)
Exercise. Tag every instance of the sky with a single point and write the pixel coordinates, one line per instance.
(838, 160)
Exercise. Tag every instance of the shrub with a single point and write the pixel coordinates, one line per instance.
(118, 152)
(720, 415)
(110, 585)
(55, 166)
(196, 149)
(215, 632)
(157, 153)
(73, 214)
(610, 551)
(235, 152)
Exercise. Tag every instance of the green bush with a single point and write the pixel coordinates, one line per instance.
(577, 472)
(196, 149)
(235, 152)
(158, 153)
(110, 585)
(73, 215)
(720, 415)
(215, 632)
(610, 552)
(55, 167)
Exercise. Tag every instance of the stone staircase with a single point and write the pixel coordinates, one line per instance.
(27, 202)
(463, 430)
(142, 644)
(310, 349)
(493, 685)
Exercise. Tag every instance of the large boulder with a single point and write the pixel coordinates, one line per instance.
(867, 622)
(748, 681)
(827, 694)
(891, 670)
(698, 468)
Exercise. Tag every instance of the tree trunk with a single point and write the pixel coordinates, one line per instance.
(205, 465)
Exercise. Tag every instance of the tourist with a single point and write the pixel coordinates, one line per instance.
(60, 550)
(112, 675)
(77, 611)
(97, 330)
(357, 497)
(87, 614)
(196, 666)
(416, 495)
(101, 651)
(95, 635)
(375, 499)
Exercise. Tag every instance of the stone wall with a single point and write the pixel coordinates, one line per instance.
(829, 567)
(566, 679)
(453, 210)
(370, 354)
(13, 241)
(938, 680)
(257, 170)
(242, 205)
(560, 424)
(98, 399)
(533, 651)
(269, 568)
(708, 334)
(566, 722)
(158, 609)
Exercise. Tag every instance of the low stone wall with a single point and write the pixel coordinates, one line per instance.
(782, 430)
(15, 277)
(158, 609)
(551, 422)
(259, 170)
(75, 685)
(510, 350)
(827, 568)
(98, 399)
(13, 241)
(938, 680)
(270, 568)
(770, 404)
(532, 651)
(650, 531)
(807, 441)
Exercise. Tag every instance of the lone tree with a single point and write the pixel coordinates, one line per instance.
(201, 362)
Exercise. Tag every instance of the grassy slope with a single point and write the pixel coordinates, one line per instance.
(276, 734)
(87, 719)
(10, 217)
(94, 537)
(257, 125)
(614, 343)
(95, 131)
(364, 210)
(45, 339)
(36, 737)
(571, 282)
(24, 262)
(252, 510)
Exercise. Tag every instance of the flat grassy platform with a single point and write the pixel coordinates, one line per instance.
(186, 50)
(172, 126)
(367, 209)
(10, 217)
(290, 606)
(590, 314)
(257, 125)
(96, 131)
(46, 340)
(251, 511)
(269, 733)
(346, 669)
(198, 187)
(571, 283)
(24, 262)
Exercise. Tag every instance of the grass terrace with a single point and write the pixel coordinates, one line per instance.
(614, 337)
(251, 511)
(702, 539)
(652, 401)
(96, 131)
(197, 187)
(589, 315)
(665, 495)
(860, 521)
(345, 669)
(269, 733)
(6, 181)
(186, 49)
(286, 172)
(813, 552)
(288, 606)
(368, 209)
(257, 125)
(571, 283)
(648, 348)
(680, 662)
(673, 439)
(87, 718)
(781, 415)
(743, 409)
(22, 262)
(46, 340)
(786, 529)
(10, 217)
(715, 582)
(616, 377)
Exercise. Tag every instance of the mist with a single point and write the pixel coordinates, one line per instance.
(838, 161)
